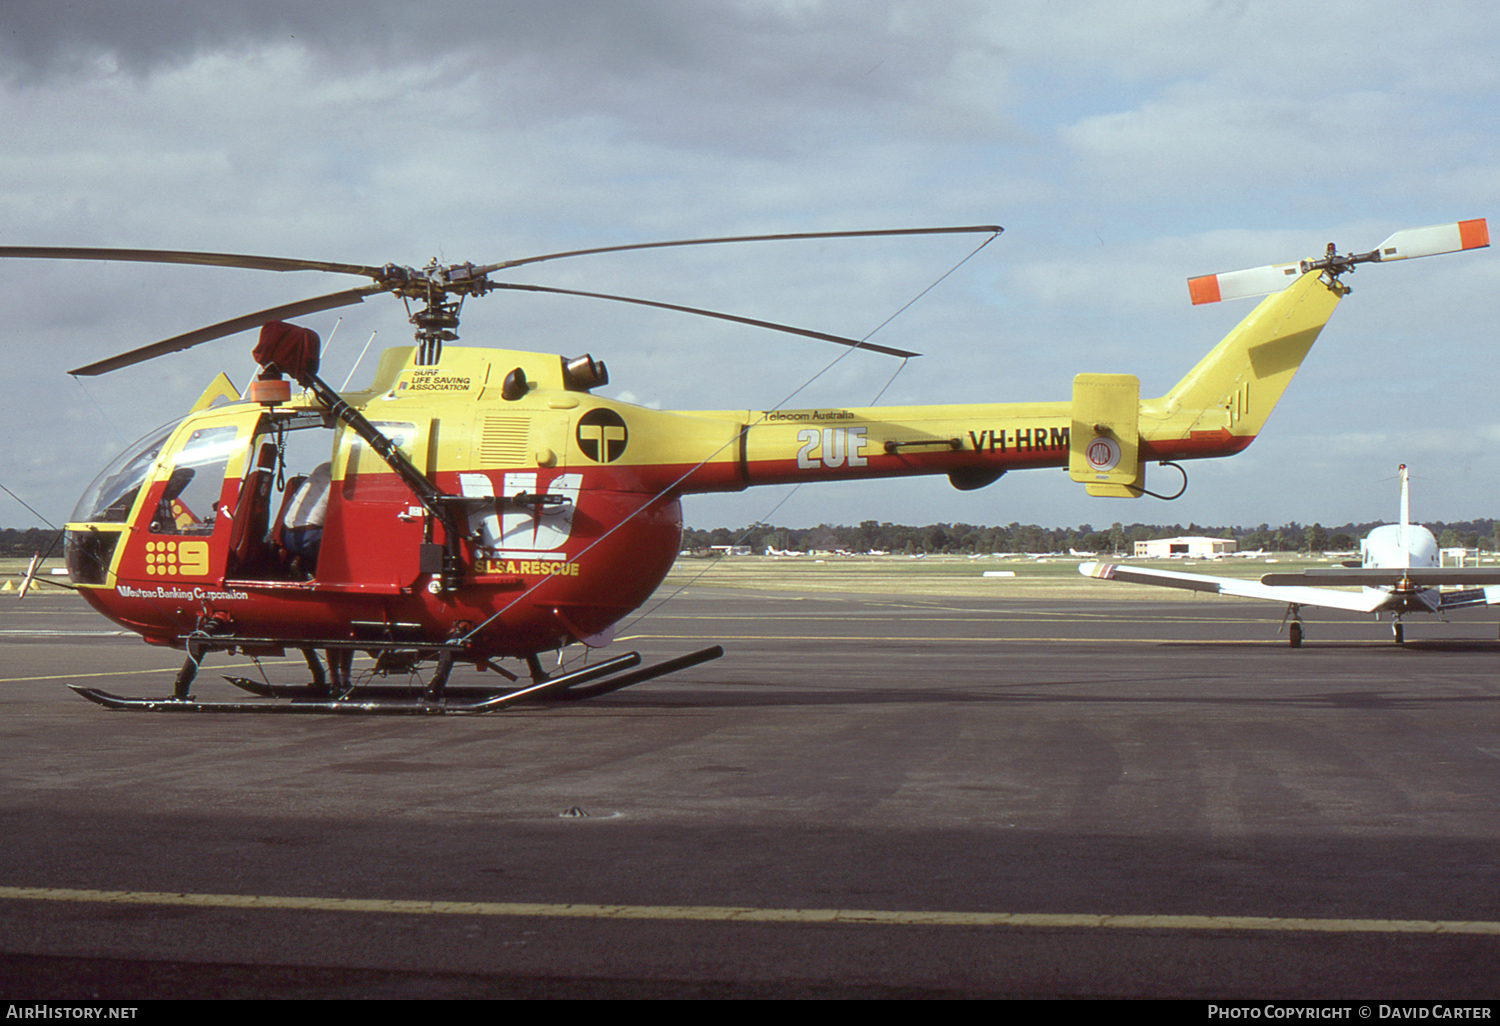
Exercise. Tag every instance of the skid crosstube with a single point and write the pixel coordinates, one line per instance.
(581, 684)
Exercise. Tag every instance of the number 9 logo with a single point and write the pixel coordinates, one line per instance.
(184, 559)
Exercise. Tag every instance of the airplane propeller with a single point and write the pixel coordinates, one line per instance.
(441, 288)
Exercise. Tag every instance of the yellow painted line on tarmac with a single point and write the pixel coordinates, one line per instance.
(137, 673)
(739, 914)
(928, 639)
(72, 676)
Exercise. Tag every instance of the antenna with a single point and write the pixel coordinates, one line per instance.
(345, 386)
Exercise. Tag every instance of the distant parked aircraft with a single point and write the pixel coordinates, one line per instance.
(1398, 574)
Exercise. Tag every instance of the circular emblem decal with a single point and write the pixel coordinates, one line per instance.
(1103, 454)
(602, 436)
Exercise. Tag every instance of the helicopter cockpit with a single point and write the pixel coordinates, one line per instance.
(202, 492)
(216, 495)
(104, 511)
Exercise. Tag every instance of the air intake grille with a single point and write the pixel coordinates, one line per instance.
(503, 442)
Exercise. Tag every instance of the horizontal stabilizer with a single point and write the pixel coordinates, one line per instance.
(1104, 448)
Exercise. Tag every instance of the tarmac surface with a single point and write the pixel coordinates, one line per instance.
(868, 796)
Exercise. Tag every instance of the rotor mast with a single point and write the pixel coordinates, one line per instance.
(441, 291)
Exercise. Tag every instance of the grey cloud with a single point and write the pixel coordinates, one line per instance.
(798, 45)
(783, 75)
(47, 39)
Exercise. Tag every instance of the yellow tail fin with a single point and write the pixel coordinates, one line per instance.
(1234, 388)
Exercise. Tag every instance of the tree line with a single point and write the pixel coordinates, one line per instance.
(28, 543)
(972, 539)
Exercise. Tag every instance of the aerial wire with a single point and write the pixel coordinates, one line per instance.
(112, 425)
(45, 555)
(688, 473)
(795, 488)
(23, 502)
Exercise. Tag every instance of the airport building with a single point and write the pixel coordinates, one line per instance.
(1185, 548)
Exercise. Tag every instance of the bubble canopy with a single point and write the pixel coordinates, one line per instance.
(109, 498)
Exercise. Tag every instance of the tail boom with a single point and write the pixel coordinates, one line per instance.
(1105, 435)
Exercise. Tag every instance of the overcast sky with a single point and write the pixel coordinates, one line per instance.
(1124, 147)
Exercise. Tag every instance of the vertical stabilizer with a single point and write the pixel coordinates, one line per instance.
(1405, 520)
(1234, 388)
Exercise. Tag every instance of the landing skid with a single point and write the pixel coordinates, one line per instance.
(392, 701)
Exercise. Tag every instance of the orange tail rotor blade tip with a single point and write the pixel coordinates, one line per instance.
(1204, 289)
(1474, 234)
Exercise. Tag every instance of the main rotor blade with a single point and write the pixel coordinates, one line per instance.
(855, 343)
(223, 328)
(992, 229)
(175, 256)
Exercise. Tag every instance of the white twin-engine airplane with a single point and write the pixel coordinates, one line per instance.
(1399, 573)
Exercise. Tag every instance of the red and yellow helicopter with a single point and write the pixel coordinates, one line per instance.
(476, 505)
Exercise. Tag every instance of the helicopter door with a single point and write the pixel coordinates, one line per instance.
(287, 450)
(246, 548)
(189, 517)
(374, 526)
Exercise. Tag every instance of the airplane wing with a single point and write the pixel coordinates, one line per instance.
(1300, 594)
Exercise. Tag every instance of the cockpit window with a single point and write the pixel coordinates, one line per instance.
(110, 496)
(188, 505)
